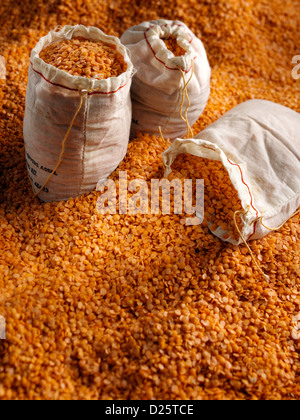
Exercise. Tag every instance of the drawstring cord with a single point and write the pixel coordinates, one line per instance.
(246, 243)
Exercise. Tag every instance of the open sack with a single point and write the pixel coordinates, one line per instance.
(76, 124)
(258, 142)
(158, 88)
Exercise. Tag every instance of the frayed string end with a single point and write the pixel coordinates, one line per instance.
(248, 246)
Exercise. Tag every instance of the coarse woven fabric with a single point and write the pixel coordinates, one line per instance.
(157, 87)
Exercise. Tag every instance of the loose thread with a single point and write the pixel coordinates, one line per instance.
(161, 134)
(247, 245)
(185, 94)
(63, 146)
(279, 227)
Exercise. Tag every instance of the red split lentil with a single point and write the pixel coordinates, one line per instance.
(174, 47)
(142, 307)
(86, 58)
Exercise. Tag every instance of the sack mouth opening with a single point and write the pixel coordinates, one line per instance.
(226, 235)
(249, 214)
(177, 38)
(80, 82)
(155, 36)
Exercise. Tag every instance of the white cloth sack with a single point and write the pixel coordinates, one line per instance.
(99, 138)
(157, 86)
(258, 142)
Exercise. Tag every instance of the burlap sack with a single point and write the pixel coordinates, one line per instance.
(99, 136)
(258, 143)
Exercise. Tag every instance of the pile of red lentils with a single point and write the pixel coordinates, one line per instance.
(145, 307)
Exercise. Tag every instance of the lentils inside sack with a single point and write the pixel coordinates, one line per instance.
(145, 307)
(174, 47)
(86, 58)
(220, 197)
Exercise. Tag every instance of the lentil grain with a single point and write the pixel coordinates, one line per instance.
(85, 58)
